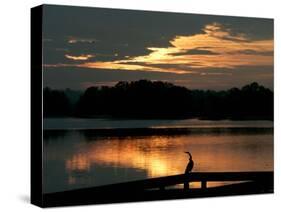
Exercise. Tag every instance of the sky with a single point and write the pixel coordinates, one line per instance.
(84, 47)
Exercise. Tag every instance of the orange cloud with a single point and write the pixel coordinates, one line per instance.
(80, 57)
(217, 40)
(73, 40)
(216, 47)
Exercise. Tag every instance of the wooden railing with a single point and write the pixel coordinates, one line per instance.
(265, 178)
(154, 188)
(204, 177)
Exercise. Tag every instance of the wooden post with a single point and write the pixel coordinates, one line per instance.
(203, 184)
(186, 186)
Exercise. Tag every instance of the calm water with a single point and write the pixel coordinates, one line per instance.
(73, 159)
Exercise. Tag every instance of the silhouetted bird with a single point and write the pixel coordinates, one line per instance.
(190, 164)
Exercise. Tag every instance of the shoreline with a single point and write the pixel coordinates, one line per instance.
(124, 132)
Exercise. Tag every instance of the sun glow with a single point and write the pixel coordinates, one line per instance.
(132, 156)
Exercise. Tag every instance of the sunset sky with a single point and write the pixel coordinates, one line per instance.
(85, 47)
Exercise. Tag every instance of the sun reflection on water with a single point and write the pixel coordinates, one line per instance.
(162, 155)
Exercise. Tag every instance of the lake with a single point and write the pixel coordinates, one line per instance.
(75, 158)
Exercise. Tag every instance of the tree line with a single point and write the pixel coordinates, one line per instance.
(146, 99)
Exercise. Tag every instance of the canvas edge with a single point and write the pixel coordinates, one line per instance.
(37, 106)
(36, 183)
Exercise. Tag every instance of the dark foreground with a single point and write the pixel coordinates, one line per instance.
(154, 189)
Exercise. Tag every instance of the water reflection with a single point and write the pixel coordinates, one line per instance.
(75, 161)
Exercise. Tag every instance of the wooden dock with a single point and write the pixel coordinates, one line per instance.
(156, 188)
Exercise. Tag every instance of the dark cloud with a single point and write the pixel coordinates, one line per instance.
(130, 32)
(253, 52)
(111, 34)
(252, 28)
(196, 51)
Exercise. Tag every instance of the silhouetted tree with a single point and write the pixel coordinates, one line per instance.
(55, 103)
(147, 99)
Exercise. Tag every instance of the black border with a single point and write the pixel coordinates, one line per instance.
(36, 106)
